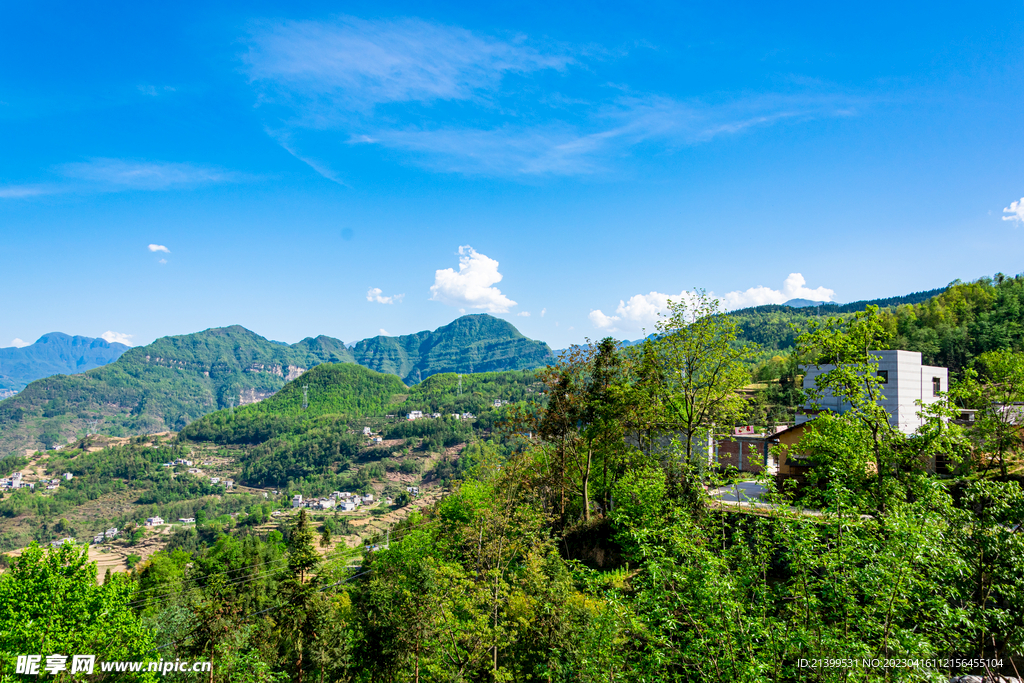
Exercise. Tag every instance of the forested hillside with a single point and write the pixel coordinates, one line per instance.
(770, 326)
(54, 353)
(473, 343)
(153, 388)
(174, 380)
(571, 543)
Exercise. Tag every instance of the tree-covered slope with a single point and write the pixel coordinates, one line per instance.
(473, 343)
(164, 385)
(52, 354)
(770, 325)
(176, 380)
(346, 391)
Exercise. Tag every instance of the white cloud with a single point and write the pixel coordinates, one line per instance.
(117, 337)
(376, 294)
(163, 260)
(523, 314)
(19, 343)
(642, 311)
(159, 247)
(792, 288)
(543, 311)
(1016, 211)
(384, 332)
(472, 286)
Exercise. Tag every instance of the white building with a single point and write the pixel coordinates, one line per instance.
(347, 506)
(905, 381)
(187, 520)
(154, 521)
(415, 415)
(68, 476)
(367, 431)
(297, 500)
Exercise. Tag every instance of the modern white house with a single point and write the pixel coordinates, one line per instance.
(905, 381)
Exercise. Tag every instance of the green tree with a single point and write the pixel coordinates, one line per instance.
(997, 396)
(50, 603)
(700, 366)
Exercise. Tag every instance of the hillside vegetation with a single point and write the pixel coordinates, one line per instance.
(175, 380)
(471, 344)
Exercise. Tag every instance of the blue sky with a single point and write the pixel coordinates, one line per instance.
(348, 168)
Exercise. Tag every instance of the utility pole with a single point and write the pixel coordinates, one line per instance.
(305, 396)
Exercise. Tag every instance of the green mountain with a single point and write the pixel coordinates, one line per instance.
(52, 354)
(473, 343)
(344, 390)
(175, 380)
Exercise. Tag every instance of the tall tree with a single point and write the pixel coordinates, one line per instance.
(702, 367)
(584, 418)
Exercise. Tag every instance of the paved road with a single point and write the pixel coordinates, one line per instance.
(741, 491)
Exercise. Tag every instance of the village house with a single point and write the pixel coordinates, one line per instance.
(154, 521)
(905, 381)
(746, 449)
(297, 500)
(415, 415)
(68, 476)
(367, 431)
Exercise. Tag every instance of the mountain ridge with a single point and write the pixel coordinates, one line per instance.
(167, 384)
(54, 353)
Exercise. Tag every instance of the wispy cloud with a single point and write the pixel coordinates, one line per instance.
(19, 343)
(159, 247)
(352, 63)
(118, 175)
(22, 191)
(472, 286)
(465, 102)
(144, 175)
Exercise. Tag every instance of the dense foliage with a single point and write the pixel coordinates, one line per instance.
(344, 390)
(175, 380)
